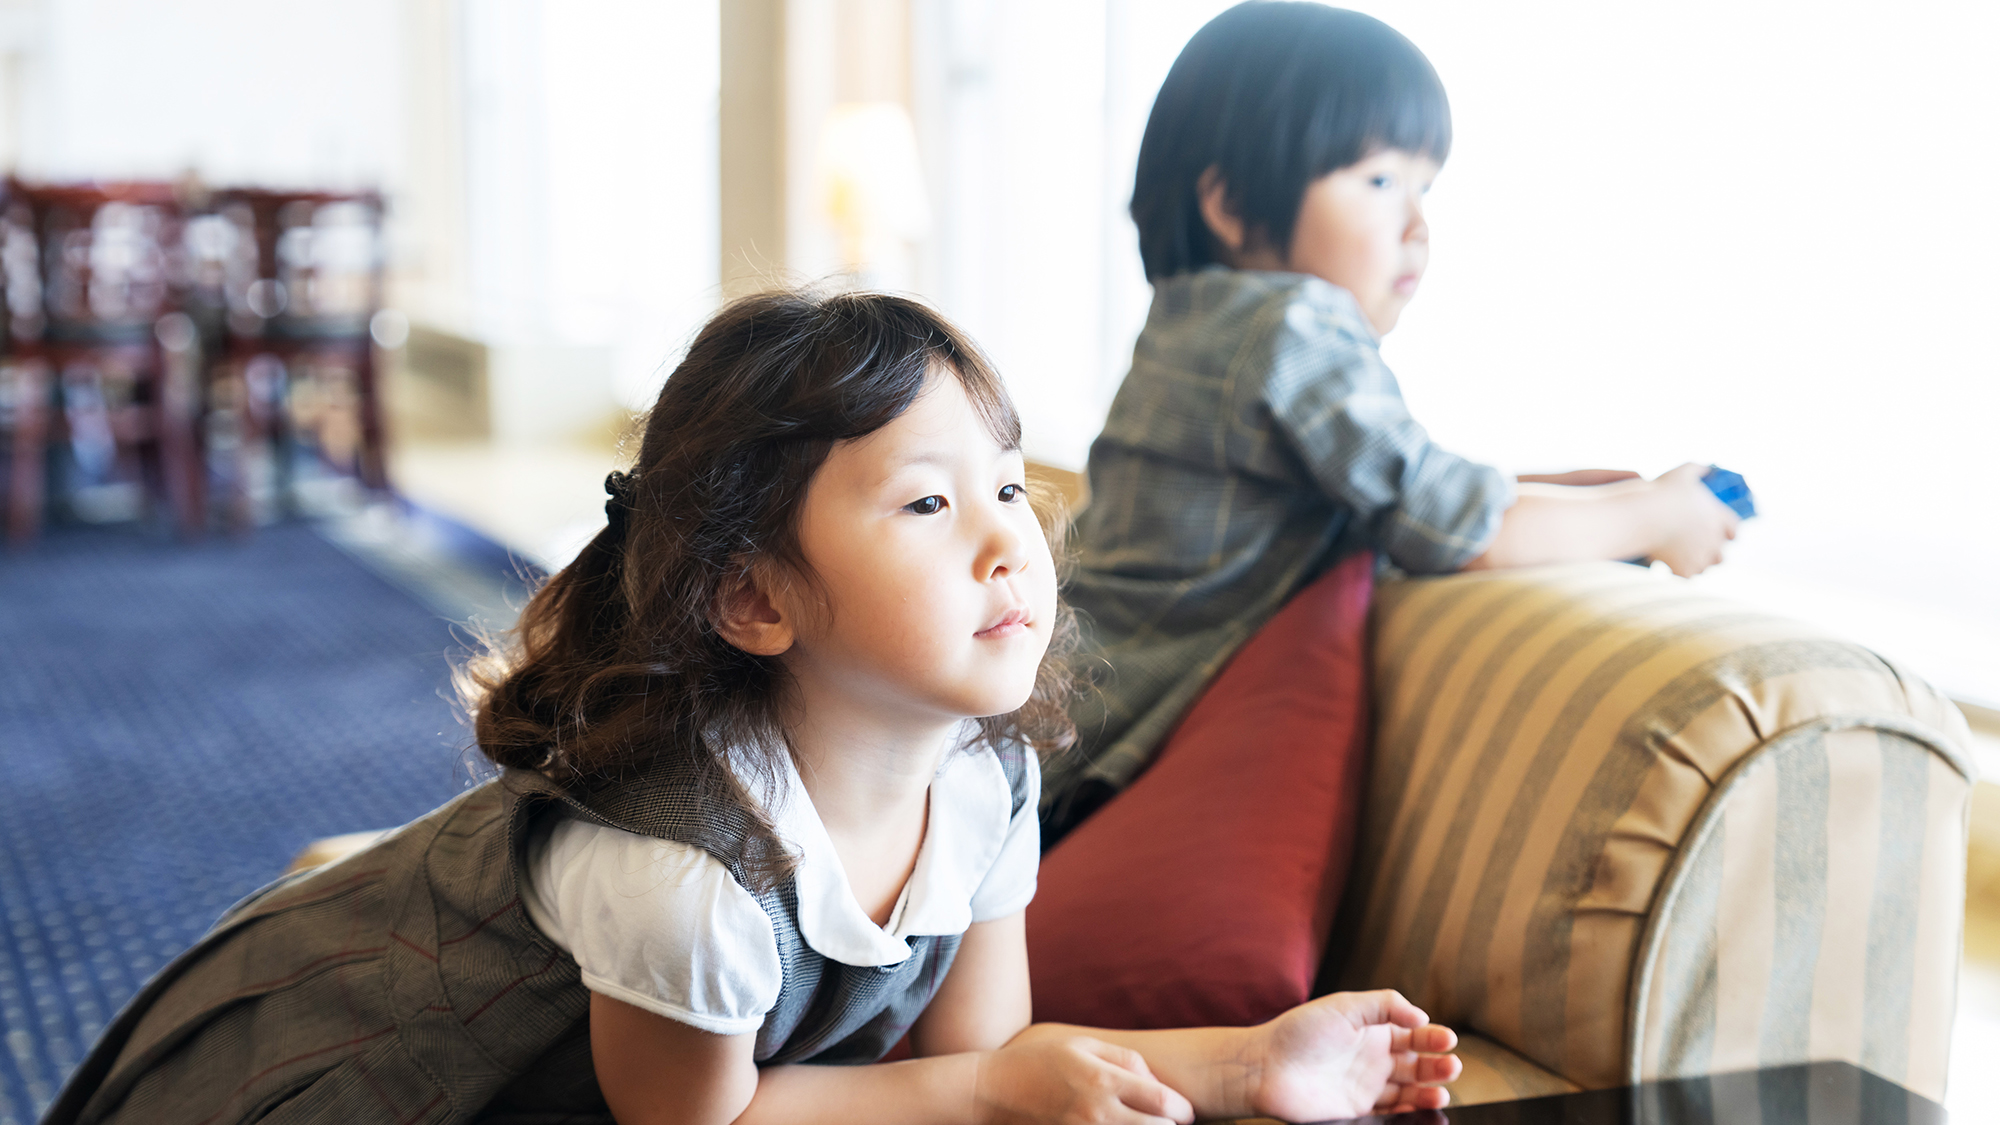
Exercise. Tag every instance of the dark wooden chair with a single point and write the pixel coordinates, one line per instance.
(98, 355)
(301, 286)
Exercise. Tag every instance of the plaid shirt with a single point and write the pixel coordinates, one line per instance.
(1257, 439)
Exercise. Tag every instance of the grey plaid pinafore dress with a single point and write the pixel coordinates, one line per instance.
(406, 984)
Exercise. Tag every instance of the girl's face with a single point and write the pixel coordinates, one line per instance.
(940, 593)
(1362, 228)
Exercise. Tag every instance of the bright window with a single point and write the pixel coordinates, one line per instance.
(1760, 235)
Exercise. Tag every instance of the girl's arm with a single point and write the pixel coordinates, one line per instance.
(656, 1071)
(1056, 1079)
(984, 1000)
(652, 1069)
(1341, 1055)
(1674, 518)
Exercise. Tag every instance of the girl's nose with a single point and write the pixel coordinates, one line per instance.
(1006, 551)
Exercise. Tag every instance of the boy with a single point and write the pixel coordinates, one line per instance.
(1258, 437)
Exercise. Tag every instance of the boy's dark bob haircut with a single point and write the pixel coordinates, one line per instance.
(1275, 95)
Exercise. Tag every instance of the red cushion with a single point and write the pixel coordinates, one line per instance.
(1202, 895)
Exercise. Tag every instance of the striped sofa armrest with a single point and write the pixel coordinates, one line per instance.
(1631, 831)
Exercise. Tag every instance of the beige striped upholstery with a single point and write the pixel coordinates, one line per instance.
(1495, 1074)
(1631, 831)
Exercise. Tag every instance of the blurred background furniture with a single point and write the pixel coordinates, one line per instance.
(93, 338)
(159, 334)
(1618, 830)
(301, 280)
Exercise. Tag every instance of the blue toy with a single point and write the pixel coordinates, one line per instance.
(1730, 489)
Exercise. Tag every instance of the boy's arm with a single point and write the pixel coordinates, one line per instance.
(1336, 404)
(1579, 477)
(1429, 509)
(1673, 518)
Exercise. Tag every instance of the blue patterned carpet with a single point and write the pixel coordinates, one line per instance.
(175, 723)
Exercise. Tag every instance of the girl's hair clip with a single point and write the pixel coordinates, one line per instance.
(620, 487)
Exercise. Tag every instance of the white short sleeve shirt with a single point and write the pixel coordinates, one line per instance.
(663, 926)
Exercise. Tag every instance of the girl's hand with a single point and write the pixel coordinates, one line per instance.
(1692, 525)
(1349, 1054)
(1072, 1079)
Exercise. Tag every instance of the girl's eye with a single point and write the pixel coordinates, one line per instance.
(928, 506)
(1012, 493)
(1384, 181)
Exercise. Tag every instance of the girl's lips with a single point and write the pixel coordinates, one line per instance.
(1407, 284)
(1012, 622)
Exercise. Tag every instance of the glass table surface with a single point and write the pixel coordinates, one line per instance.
(1824, 1093)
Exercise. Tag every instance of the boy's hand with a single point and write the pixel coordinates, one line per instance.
(1350, 1054)
(1072, 1078)
(1692, 524)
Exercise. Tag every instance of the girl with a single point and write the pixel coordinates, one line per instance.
(1258, 437)
(765, 801)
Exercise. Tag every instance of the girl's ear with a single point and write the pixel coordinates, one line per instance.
(1225, 224)
(749, 618)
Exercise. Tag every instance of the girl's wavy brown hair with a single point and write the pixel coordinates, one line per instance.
(616, 667)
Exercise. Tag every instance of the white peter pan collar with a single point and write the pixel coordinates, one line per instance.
(970, 807)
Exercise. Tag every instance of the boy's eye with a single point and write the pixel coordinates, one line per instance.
(1384, 181)
(1011, 493)
(928, 506)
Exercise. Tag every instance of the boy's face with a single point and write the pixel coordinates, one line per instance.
(1362, 228)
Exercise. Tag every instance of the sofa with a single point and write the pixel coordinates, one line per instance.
(1616, 829)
